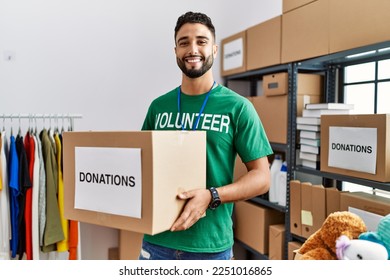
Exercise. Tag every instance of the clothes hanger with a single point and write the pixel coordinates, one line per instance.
(62, 129)
(70, 128)
(20, 129)
(12, 124)
(35, 121)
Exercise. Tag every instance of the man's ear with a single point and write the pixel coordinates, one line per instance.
(215, 50)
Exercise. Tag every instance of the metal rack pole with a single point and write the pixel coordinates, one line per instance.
(32, 116)
(40, 116)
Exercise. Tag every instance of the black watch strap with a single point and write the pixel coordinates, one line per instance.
(215, 200)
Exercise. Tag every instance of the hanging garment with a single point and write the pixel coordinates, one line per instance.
(53, 228)
(41, 193)
(14, 193)
(35, 201)
(73, 239)
(73, 225)
(63, 245)
(24, 185)
(1, 171)
(30, 152)
(5, 215)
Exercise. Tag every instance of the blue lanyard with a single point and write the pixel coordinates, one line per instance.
(201, 109)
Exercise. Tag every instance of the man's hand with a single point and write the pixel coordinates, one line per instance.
(197, 202)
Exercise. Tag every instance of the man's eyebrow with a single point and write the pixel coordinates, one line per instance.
(197, 37)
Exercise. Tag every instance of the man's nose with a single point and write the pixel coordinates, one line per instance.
(193, 49)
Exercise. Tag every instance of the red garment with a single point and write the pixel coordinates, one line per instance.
(73, 239)
(29, 145)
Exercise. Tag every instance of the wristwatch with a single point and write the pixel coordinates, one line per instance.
(215, 200)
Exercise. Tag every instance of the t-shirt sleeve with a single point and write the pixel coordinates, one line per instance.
(148, 121)
(251, 140)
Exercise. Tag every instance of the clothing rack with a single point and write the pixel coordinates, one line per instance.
(9, 120)
(33, 117)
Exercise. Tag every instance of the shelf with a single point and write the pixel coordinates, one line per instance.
(280, 147)
(264, 202)
(258, 73)
(345, 57)
(339, 177)
(251, 250)
(327, 66)
(299, 238)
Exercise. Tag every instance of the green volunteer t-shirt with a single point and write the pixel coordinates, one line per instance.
(233, 127)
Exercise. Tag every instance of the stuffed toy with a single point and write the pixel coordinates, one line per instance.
(381, 236)
(321, 245)
(359, 249)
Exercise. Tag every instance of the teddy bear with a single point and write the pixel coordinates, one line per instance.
(381, 236)
(321, 245)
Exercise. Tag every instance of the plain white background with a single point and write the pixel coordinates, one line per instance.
(103, 59)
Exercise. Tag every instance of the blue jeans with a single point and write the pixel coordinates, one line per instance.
(154, 252)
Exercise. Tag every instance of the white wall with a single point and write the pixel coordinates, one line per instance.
(103, 59)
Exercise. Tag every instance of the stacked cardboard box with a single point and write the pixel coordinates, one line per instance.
(252, 224)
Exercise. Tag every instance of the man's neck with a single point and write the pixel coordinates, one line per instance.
(197, 86)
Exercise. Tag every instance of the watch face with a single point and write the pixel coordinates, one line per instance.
(216, 201)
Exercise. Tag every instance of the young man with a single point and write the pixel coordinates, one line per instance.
(233, 127)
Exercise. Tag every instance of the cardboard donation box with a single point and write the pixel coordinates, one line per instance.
(307, 84)
(275, 99)
(356, 145)
(276, 242)
(295, 206)
(305, 32)
(130, 180)
(233, 54)
(264, 42)
(252, 224)
(289, 5)
(313, 208)
(351, 23)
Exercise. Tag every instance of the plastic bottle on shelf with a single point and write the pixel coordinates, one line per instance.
(275, 170)
(282, 182)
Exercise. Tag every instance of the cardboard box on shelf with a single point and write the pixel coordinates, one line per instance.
(303, 99)
(305, 32)
(295, 207)
(364, 201)
(129, 180)
(276, 242)
(264, 44)
(371, 220)
(275, 125)
(351, 24)
(350, 139)
(313, 208)
(307, 84)
(252, 224)
(289, 5)
(293, 247)
(275, 99)
(332, 200)
(233, 54)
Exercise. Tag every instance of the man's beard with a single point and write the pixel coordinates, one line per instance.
(195, 73)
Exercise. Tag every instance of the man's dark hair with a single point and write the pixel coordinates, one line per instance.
(191, 17)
